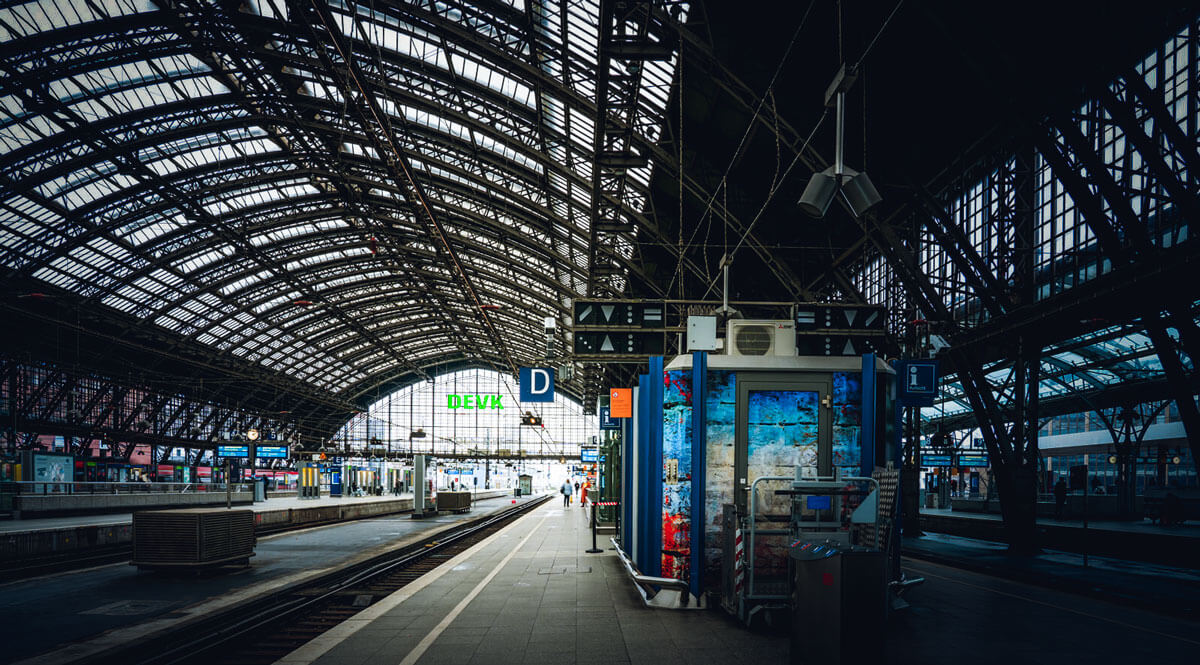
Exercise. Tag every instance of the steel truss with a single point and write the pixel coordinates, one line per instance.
(41, 399)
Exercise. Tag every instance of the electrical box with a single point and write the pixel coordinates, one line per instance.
(702, 333)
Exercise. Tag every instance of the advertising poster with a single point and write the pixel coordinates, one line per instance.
(53, 469)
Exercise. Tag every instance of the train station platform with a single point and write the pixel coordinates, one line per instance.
(285, 503)
(531, 595)
(117, 604)
(1159, 588)
(1133, 540)
(1134, 527)
(23, 539)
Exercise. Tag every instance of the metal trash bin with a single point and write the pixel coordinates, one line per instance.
(839, 604)
(260, 489)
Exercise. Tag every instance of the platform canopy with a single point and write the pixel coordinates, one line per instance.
(295, 207)
(351, 195)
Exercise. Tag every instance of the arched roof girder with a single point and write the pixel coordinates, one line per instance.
(313, 268)
(418, 342)
(281, 204)
(281, 248)
(378, 298)
(167, 231)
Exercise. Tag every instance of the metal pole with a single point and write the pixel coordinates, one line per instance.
(839, 166)
(1086, 481)
(228, 487)
(617, 522)
(594, 550)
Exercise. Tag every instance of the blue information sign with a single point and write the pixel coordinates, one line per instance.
(973, 459)
(537, 384)
(917, 382)
(271, 452)
(937, 460)
(588, 455)
(606, 419)
(233, 451)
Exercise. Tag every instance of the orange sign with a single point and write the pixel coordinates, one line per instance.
(620, 401)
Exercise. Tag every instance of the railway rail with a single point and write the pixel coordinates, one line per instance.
(13, 570)
(272, 626)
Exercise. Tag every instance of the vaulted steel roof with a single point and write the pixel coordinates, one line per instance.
(347, 193)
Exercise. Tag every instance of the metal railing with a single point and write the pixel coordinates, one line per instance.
(39, 488)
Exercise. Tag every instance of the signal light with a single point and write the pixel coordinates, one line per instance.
(531, 420)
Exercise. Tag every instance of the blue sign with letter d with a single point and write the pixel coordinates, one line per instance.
(537, 384)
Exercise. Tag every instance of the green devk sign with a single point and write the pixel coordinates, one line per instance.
(474, 402)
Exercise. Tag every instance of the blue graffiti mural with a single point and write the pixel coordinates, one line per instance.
(847, 421)
(677, 474)
(721, 421)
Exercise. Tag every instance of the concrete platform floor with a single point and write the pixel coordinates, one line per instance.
(531, 595)
(68, 615)
(1134, 527)
(43, 523)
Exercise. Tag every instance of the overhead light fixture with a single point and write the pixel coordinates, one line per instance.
(856, 188)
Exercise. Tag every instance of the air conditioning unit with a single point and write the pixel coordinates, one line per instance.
(747, 337)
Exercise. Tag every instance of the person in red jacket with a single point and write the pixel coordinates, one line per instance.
(583, 494)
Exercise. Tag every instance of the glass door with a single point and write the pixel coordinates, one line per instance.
(782, 422)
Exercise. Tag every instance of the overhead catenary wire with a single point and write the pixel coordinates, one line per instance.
(770, 196)
(867, 51)
(745, 135)
(729, 254)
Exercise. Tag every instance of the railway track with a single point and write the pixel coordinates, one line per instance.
(266, 629)
(14, 570)
(20, 569)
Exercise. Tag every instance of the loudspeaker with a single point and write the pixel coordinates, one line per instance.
(860, 192)
(819, 193)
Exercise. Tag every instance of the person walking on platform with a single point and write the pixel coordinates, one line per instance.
(577, 487)
(583, 495)
(566, 492)
(1060, 498)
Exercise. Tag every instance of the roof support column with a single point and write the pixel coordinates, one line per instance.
(1016, 474)
(1058, 156)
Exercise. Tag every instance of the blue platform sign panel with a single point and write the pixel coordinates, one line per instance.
(537, 384)
(606, 419)
(972, 459)
(271, 452)
(937, 459)
(233, 451)
(587, 455)
(917, 382)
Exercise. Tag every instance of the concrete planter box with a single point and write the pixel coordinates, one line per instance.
(30, 506)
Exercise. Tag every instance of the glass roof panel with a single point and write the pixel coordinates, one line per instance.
(205, 202)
